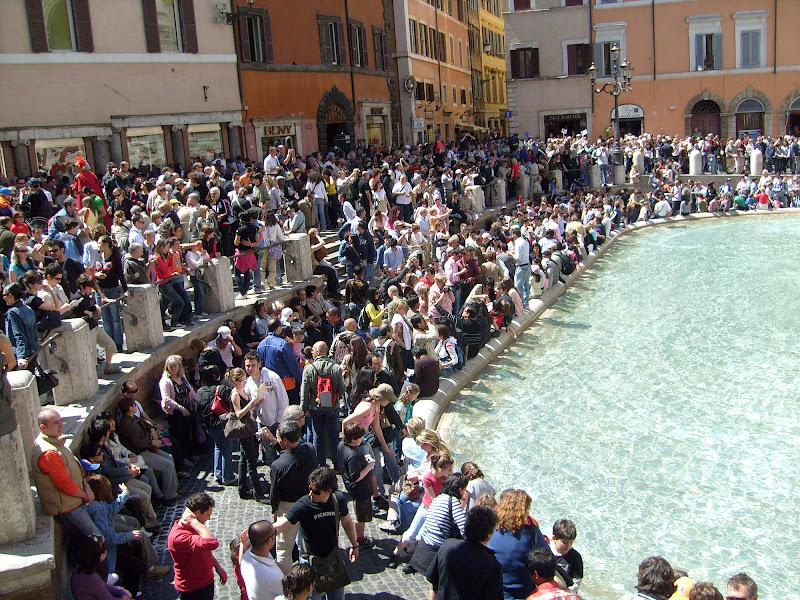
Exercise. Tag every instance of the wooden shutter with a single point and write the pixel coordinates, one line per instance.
(699, 51)
(151, 26)
(515, 64)
(377, 42)
(325, 42)
(188, 27)
(269, 52)
(534, 62)
(364, 56)
(351, 30)
(599, 60)
(442, 48)
(572, 62)
(36, 26)
(242, 28)
(522, 4)
(716, 43)
(83, 25)
(340, 35)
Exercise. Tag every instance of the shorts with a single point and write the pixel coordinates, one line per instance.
(363, 510)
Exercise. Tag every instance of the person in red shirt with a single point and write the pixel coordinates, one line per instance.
(541, 563)
(191, 544)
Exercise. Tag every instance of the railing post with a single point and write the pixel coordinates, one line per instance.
(219, 298)
(25, 402)
(73, 356)
(297, 257)
(141, 317)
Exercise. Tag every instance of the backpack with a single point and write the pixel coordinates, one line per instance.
(221, 404)
(461, 361)
(565, 263)
(326, 397)
(363, 320)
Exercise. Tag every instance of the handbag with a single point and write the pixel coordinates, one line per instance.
(46, 379)
(410, 488)
(237, 428)
(331, 571)
(275, 252)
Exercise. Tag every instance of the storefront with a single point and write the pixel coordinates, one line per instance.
(376, 124)
(205, 141)
(146, 146)
(559, 125)
(57, 156)
(631, 119)
(276, 132)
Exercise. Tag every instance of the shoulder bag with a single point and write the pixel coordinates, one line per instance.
(331, 570)
(237, 428)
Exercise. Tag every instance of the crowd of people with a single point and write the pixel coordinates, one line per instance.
(322, 386)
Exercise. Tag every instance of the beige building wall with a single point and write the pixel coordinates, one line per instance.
(70, 94)
(494, 70)
(548, 26)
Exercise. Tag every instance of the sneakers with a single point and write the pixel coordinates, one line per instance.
(408, 570)
(241, 297)
(391, 528)
(157, 571)
(380, 503)
(112, 369)
(366, 542)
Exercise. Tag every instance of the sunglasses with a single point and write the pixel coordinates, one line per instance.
(133, 391)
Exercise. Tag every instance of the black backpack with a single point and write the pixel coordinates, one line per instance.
(564, 262)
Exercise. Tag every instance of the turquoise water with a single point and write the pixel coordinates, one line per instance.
(656, 405)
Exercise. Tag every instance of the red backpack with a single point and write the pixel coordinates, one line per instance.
(326, 396)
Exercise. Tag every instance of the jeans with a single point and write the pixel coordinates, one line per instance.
(223, 455)
(204, 593)
(78, 521)
(112, 321)
(343, 230)
(447, 371)
(165, 474)
(171, 298)
(199, 295)
(384, 459)
(248, 465)
(605, 171)
(177, 285)
(319, 206)
(244, 280)
(326, 435)
(332, 595)
(522, 281)
(416, 522)
(331, 277)
(257, 272)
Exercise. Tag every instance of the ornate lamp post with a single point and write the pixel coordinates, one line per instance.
(621, 82)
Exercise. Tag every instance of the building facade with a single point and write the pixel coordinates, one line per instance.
(316, 78)
(152, 82)
(433, 65)
(726, 67)
(493, 67)
(548, 54)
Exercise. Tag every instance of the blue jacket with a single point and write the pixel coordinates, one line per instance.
(511, 549)
(276, 354)
(21, 329)
(102, 514)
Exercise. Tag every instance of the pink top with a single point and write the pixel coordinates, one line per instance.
(366, 420)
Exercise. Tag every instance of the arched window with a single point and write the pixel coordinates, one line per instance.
(750, 117)
(793, 117)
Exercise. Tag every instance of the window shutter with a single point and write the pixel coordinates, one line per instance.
(598, 59)
(522, 4)
(377, 44)
(151, 26)
(36, 26)
(243, 33)
(364, 56)
(432, 43)
(188, 27)
(340, 34)
(352, 35)
(83, 25)
(534, 62)
(442, 48)
(266, 24)
(699, 52)
(325, 42)
(716, 43)
(515, 64)
(572, 67)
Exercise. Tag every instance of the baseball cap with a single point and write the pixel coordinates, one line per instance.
(224, 331)
(89, 466)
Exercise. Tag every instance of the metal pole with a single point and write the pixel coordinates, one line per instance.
(616, 125)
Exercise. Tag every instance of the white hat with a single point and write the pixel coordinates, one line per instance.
(224, 332)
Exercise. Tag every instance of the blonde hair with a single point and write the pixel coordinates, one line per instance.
(408, 392)
(174, 359)
(429, 436)
(415, 425)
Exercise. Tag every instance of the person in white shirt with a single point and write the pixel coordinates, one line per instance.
(261, 574)
(265, 383)
(401, 192)
(271, 162)
(522, 274)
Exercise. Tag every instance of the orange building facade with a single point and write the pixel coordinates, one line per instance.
(726, 67)
(316, 75)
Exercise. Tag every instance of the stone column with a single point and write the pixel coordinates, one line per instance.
(558, 175)
(73, 356)
(22, 161)
(695, 162)
(594, 177)
(25, 402)
(102, 153)
(619, 174)
(524, 187)
(141, 318)
(116, 147)
(218, 275)
(177, 145)
(234, 137)
(297, 257)
(756, 162)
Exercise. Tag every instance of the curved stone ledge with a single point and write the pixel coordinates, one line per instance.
(433, 409)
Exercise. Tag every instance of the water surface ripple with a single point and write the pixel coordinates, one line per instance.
(656, 405)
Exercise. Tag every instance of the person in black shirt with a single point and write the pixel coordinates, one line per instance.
(289, 481)
(111, 285)
(357, 477)
(426, 372)
(246, 239)
(316, 513)
(84, 306)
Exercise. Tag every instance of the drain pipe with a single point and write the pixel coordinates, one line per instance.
(653, 27)
(775, 39)
(352, 74)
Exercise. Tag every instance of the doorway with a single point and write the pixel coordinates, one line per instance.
(705, 118)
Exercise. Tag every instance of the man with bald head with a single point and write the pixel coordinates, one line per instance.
(59, 477)
(262, 575)
(323, 386)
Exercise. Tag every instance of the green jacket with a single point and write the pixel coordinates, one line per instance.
(322, 365)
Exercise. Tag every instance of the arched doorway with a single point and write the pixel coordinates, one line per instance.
(335, 121)
(793, 117)
(705, 118)
(750, 117)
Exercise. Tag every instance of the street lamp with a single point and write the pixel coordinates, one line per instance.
(621, 82)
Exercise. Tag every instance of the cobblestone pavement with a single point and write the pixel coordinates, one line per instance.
(370, 577)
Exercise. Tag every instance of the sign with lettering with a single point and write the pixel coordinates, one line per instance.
(279, 129)
(377, 110)
(419, 124)
(508, 114)
(335, 115)
(629, 111)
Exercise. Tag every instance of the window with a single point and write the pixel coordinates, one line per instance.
(255, 39)
(358, 45)
(423, 39)
(460, 54)
(502, 88)
(452, 51)
(524, 63)
(412, 33)
(444, 95)
(455, 96)
(331, 40)
(579, 57)
(420, 91)
(169, 26)
(463, 96)
(433, 51)
(442, 47)
(450, 7)
(522, 4)
(707, 51)
(751, 38)
(749, 48)
(378, 39)
(429, 92)
(60, 25)
(461, 12)
(573, 2)
(602, 57)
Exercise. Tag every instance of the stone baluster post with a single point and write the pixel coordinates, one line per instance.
(297, 257)
(141, 317)
(25, 402)
(220, 298)
(74, 358)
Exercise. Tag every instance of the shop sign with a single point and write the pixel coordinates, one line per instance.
(280, 129)
(629, 111)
